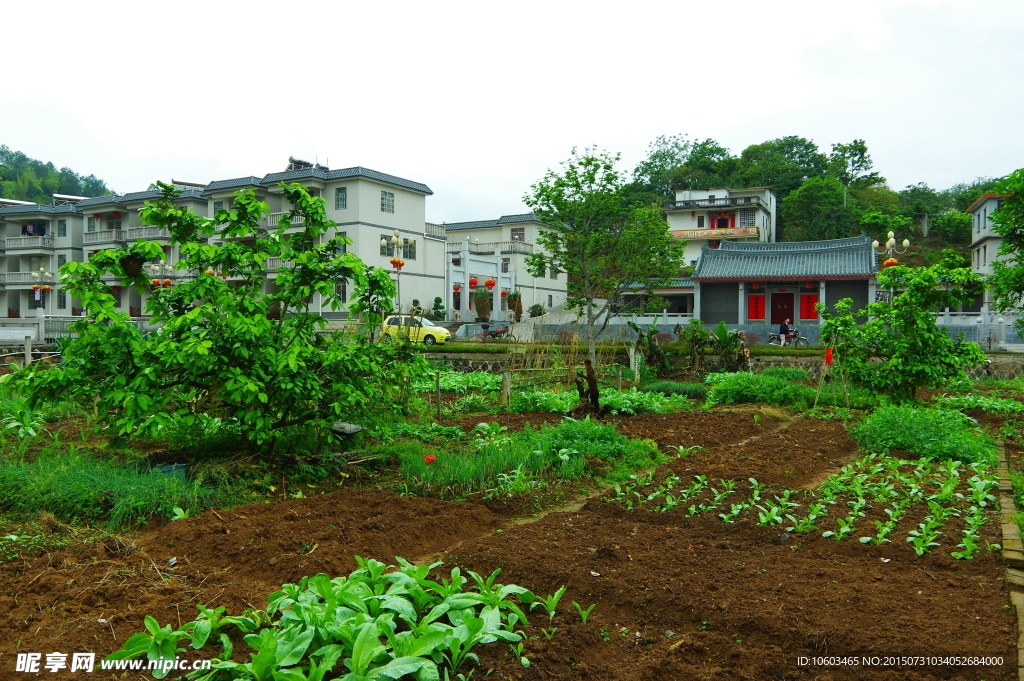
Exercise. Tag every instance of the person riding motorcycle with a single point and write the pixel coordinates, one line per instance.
(783, 332)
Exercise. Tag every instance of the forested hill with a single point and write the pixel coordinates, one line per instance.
(26, 179)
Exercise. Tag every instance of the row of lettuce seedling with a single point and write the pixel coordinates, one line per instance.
(377, 623)
(948, 489)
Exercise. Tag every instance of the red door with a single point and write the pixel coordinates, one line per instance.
(782, 307)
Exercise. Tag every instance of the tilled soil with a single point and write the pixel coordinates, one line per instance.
(677, 597)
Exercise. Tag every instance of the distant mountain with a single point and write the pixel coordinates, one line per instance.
(26, 179)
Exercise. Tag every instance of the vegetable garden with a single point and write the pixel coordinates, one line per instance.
(697, 537)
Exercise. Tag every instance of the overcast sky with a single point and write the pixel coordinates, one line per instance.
(477, 100)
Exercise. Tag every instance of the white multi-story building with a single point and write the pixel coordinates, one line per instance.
(985, 244)
(497, 250)
(35, 239)
(707, 216)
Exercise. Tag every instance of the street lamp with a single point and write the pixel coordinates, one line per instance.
(398, 245)
(889, 249)
(40, 291)
(161, 272)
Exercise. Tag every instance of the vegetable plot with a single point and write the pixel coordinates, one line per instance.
(840, 506)
(379, 622)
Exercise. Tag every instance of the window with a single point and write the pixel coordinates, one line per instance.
(62, 227)
(341, 198)
(519, 234)
(116, 293)
(114, 224)
(341, 290)
(505, 262)
(409, 250)
(984, 255)
(387, 202)
(218, 205)
(61, 259)
(62, 300)
(91, 226)
(344, 247)
(700, 222)
(551, 301)
(553, 273)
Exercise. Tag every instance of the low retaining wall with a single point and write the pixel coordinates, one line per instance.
(1003, 366)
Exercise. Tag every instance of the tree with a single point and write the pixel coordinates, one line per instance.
(1008, 270)
(782, 164)
(664, 155)
(816, 211)
(952, 226)
(605, 247)
(27, 179)
(851, 165)
(258, 361)
(709, 164)
(901, 348)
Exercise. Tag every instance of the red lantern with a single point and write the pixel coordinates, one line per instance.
(115, 288)
(490, 283)
(890, 263)
(117, 214)
(456, 288)
(472, 281)
(504, 293)
(167, 282)
(156, 282)
(35, 287)
(96, 216)
(46, 288)
(209, 271)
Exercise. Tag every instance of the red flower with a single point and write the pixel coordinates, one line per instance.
(429, 458)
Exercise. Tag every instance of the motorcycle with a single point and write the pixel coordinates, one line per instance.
(504, 332)
(792, 338)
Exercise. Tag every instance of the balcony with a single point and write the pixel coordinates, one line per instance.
(38, 243)
(104, 236)
(145, 233)
(436, 231)
(23, 279)
(271, 221)
(730, 202)
(506, 247)
(273, 264)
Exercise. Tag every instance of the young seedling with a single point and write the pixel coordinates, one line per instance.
(549, 603)
(584, 614)
(549, 634)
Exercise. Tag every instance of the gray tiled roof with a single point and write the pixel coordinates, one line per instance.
(235, 183)
(109, 200)
(36, 208)
(835, 259)
(677, 282)
(503, 220)
(478, 224)
(150, 194)
(522, 217)
(343, 173)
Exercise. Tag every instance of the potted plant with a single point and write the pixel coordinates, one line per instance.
(536, 310)
(515, 304)
(482, 297)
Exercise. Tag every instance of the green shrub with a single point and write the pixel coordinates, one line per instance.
(694, 391)
(992, 405)
(786, 373)
(631, 402)
(542, 401)
(744, 388)
(77, 487)
(931, 433)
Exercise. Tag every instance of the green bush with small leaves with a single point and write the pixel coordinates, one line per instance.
(744, 388)
(939, 434)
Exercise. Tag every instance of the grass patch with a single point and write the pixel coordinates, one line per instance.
(498, 463)
(81, 488)
(938, 434)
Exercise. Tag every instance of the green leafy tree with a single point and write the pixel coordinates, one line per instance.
(664, 154)
(851, 165)
(878, 224)
(901, 348)
(1008, 270)
(605, 247)
(952, 226)
(258, 361)
(816, 211)
(708, 164)
(27, 179)
(783, 164)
